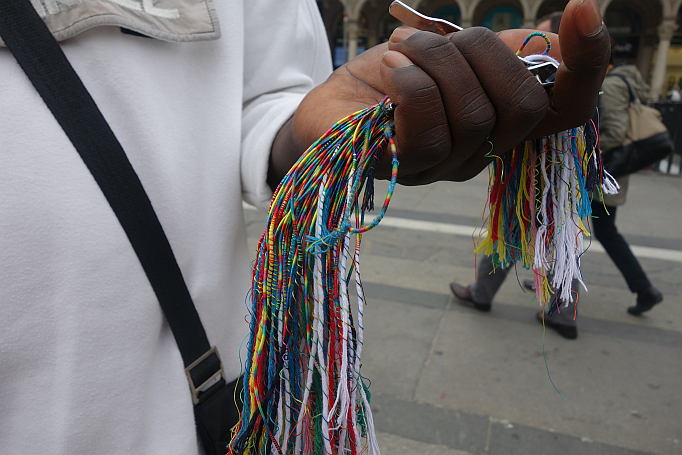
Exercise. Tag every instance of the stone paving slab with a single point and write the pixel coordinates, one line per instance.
(391, 444)
(476, 435)
(621, 381)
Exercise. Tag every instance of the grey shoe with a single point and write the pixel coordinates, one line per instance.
(463, 294)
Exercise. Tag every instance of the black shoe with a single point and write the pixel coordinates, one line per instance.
(566, 331)
(646, 301)
(529, 284)
(463, 294)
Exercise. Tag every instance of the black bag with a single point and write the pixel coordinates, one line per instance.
(635, 156)
(46, 66)
(215, 409)
(647, 140)
(216, 415)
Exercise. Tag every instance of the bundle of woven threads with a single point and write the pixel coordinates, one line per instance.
(539, 200)
(303, 391)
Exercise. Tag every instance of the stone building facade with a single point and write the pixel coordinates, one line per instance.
(648, 33)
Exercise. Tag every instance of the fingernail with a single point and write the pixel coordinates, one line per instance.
(396, 60)
(401, 34)
(588, 18)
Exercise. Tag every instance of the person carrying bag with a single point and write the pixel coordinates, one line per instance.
(624, 90)
(647, 140)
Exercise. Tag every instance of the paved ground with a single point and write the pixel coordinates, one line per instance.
(449, 380)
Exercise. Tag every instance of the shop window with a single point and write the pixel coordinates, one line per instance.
(625, 25)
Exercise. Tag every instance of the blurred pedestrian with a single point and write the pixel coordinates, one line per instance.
(489, 278)
(549, 22)
(675, 94)
(613, 125)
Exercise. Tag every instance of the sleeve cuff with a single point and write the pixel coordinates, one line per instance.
(262, 122)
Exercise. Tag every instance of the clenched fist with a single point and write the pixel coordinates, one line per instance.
(460, 99)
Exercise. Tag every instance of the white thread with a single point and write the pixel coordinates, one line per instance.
(343, 395)
(534, 58)
(542, 217)
(609, 184)
(318, 295)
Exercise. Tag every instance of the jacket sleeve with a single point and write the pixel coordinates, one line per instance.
(286, 54)
(613, 115)
(640, 87)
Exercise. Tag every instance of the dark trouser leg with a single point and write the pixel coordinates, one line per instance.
(563, 315)
(487, 282)
(617, 248)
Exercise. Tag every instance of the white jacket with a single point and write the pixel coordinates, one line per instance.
(87, 362)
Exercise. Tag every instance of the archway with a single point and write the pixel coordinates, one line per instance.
(443, 9)
(340, 38)
(379, 24)
(332, 16)
(632, 24)
(549, 7)
(386, 26)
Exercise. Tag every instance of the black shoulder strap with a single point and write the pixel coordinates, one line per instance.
(43, 61)
(633, 98)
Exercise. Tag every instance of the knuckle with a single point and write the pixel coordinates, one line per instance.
(479, 117)
(471, 39)
(434, 144)
(425, 99)
(421, 128)
(425, 46)
(438, 51)
(425, 148)
(528, 101)
(418, 178)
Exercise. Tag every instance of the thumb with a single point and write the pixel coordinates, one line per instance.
(585, 51)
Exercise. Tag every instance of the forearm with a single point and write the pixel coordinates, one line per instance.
(318, 111)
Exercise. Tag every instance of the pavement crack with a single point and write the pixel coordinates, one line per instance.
(488, 435)
(431, 349)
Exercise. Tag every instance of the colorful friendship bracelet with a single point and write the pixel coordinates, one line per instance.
(303, 390)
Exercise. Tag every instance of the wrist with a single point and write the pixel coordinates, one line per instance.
(283, 154)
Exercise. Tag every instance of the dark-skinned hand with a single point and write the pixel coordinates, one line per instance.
(459, 100)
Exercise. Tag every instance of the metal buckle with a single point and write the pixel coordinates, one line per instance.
(210, 381)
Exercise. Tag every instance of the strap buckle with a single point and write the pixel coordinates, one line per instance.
(207, 370)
